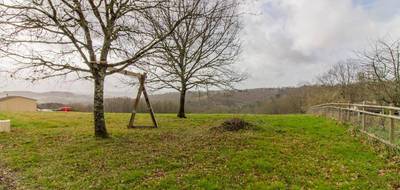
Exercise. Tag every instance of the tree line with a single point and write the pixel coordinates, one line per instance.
(373, 74)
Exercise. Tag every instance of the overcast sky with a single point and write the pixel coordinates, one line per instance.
(285, 42)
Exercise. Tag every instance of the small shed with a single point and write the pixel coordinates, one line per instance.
(17, 104)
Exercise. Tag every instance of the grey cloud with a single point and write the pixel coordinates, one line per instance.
(287, 42)
(292, 41)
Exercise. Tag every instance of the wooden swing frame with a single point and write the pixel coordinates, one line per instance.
(141, 90)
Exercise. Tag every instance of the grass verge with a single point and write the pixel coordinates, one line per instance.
(58, 151)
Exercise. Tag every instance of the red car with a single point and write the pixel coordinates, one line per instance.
(65, 109)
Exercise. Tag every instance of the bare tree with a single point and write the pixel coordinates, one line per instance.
(92, 39)
(344, 75)
(201, 51)
(382, 70)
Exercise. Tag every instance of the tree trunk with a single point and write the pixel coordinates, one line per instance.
(181, 113)
(100, 129)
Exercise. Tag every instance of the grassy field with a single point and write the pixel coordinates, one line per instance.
(58, 151)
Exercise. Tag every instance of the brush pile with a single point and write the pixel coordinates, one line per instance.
(234, 124)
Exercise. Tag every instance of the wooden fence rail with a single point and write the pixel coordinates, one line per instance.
(378, 122)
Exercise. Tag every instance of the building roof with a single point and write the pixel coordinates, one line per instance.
(11, 97)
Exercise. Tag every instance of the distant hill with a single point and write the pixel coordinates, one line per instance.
(261, 100)
(236, 97)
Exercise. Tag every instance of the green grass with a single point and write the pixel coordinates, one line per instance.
(58, 151)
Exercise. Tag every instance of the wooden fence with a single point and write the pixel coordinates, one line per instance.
(379, 122)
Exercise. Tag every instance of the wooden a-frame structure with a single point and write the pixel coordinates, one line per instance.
(141, 90)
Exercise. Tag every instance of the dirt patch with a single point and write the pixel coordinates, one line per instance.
(234, 124)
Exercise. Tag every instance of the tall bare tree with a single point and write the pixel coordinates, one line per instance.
(93, 39)
(343, 75)
(382, 70)
(201, 52)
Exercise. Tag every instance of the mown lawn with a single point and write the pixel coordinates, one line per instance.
(58, 151)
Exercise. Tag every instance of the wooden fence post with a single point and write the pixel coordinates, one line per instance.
(358, 117)
(392, 127)
(363, 118)
(348, 112)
